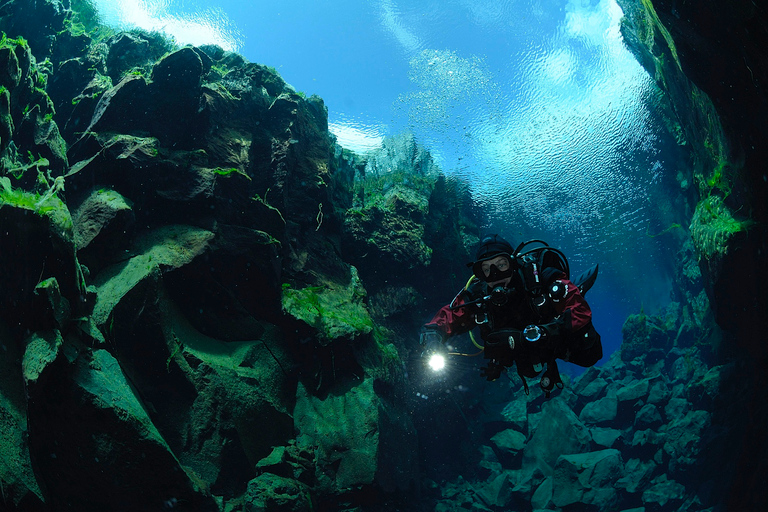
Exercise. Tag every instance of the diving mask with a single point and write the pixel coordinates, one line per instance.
(493, 269)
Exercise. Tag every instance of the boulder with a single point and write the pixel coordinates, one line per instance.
(594, 389)
(648, 417)
(489, 460)
(510, 441)
(542, 497)
(586, 378)
(605, 437)
(659, 392)
(645, 443)
(559, 432)
(496, 492)
(516, 413)
(633, 392)
(587, 478)
(664, 494)
(600, 412)
(526, 481)
(638, 475)
(676, 409)
(119, 452)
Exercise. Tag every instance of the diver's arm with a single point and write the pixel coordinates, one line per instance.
(451, 320)
(572, 309)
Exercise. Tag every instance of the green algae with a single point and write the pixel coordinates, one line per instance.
(230, 171)
(335, 311)
(47, 205)
(713, 227)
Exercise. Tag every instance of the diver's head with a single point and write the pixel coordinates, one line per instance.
(493, 261)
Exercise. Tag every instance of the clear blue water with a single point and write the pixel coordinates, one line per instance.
(536, 103)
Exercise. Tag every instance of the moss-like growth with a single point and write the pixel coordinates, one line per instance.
(335, 311)
(230, 171)
(713, 226)
(46, 205)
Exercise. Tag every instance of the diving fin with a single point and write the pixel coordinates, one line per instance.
(585, 281)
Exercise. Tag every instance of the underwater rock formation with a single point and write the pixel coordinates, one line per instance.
(208, 304)
(181, 318)
(711, 61)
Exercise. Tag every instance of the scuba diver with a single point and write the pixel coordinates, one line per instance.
(528, 310)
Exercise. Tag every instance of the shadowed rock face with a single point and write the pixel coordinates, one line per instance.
(711, 59)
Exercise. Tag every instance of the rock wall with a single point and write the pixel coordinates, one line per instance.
(711, 60)
(183, 321)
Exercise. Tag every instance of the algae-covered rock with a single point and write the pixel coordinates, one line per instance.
(407, 215)
(357, 437)
(104, 212)
(42, 349)
(635, 334)
(28, 115)
(239, 405)
(392, 205)
(133, 51)
(37, 21)
(220, 405)
(290, 462)
(344, 429)
(268, 492)
(713, 228)
(169, 247)
(37, 242)
(59, 305)
(334, 311)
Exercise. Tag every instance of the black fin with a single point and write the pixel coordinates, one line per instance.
(585, 281)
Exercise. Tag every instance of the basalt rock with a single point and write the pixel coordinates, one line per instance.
(181, 305)
(719, 101)
(122, 450)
